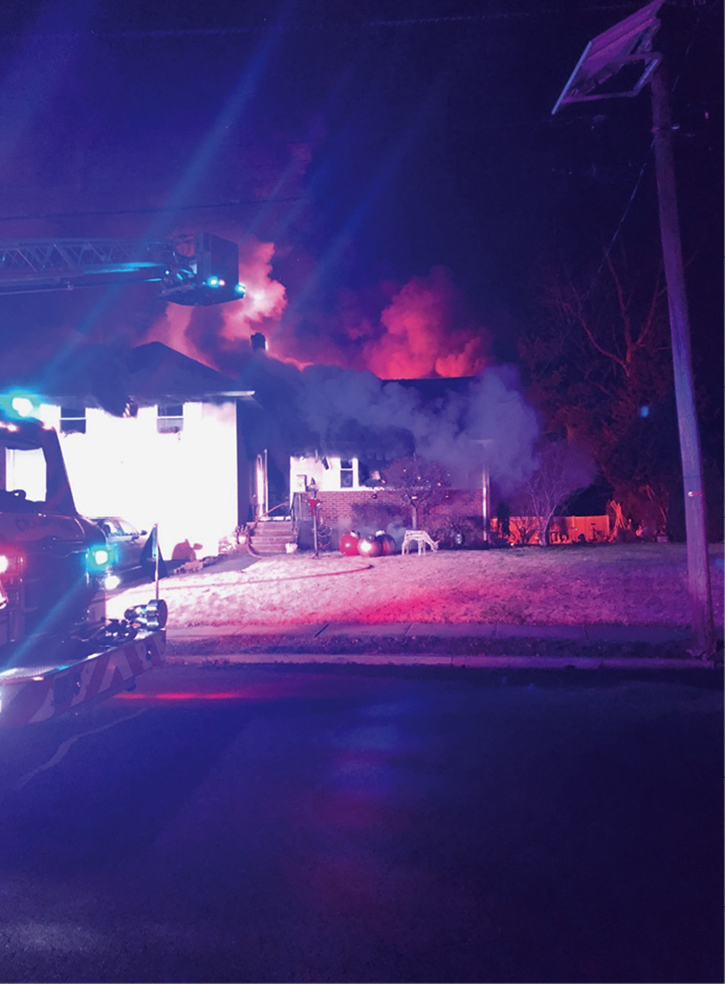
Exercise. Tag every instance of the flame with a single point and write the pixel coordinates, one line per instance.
(209, 335)
(172, 328)
(420, 337)
(421, 331)
(265, 298)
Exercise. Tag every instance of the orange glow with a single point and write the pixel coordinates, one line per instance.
(262, 307)
(422, 331)
(423, 336)
(265, 297)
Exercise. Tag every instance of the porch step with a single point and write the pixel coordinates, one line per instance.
(270, 536)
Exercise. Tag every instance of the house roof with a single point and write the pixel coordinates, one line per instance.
(110, 377)
(324, 410)
(435, 389)
(156, 372)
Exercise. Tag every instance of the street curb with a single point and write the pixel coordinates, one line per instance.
(468, 662)
(653, 635)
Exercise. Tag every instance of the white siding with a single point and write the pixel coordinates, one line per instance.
(327, 479)
(186, 482)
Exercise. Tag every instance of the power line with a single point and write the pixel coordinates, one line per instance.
(237, 203)
(650, 151)
(354, 24)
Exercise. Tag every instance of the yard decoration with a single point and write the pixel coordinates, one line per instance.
(369, 546)
(349, 544)
(421, 539)
(387, 542)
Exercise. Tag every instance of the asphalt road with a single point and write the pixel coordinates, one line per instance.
(338, 823)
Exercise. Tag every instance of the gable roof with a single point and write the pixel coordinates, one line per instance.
(435, 389)
(157, 373)
(110, 377)
(338, 412)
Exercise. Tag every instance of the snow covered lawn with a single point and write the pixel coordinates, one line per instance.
(636, 584)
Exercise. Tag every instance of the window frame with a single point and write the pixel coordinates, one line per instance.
(168, 422)
(73, 420)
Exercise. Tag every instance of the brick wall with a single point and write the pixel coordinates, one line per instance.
(368, 510)
(363, 509)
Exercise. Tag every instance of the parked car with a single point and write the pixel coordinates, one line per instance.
(131, 550)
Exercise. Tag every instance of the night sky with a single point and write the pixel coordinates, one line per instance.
(391, 170)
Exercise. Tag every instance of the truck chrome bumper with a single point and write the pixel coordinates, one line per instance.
(30, 694)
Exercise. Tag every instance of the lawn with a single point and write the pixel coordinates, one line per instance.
(627, 584)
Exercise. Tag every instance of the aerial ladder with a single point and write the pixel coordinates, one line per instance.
(199, 269)
(58, 649)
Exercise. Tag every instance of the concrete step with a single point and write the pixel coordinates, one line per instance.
(271, 536)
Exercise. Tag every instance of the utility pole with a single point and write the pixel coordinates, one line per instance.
(626, 46)
(698, 562)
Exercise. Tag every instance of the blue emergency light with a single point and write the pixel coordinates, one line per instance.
(98, 559)
(20, 404)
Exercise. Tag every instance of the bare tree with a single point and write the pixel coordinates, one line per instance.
(524, 528)
(563, 469)
(601, 371)
(418, 483)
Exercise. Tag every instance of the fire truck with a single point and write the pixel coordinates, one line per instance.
(58, 650)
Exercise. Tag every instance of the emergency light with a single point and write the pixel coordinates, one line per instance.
(11, 563)
(20, 404)
(98, 559)
(23, 406)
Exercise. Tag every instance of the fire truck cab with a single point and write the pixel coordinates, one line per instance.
(58, 649)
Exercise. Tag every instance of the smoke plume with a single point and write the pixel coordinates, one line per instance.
(219, 336)
(418, 331)
(421, 334)
(462, 424)
(352, 387)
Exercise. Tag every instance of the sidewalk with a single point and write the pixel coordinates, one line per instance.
(482, 645)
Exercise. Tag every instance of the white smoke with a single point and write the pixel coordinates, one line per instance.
(484, 419)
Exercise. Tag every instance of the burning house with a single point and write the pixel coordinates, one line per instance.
(342, 437)
(155, 436)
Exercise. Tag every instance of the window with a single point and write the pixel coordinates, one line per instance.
(347, 474)
(170, 419)
(72, 420)
(127, 529)
(25, 479)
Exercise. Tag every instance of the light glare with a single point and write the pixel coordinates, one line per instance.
(23, 406)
